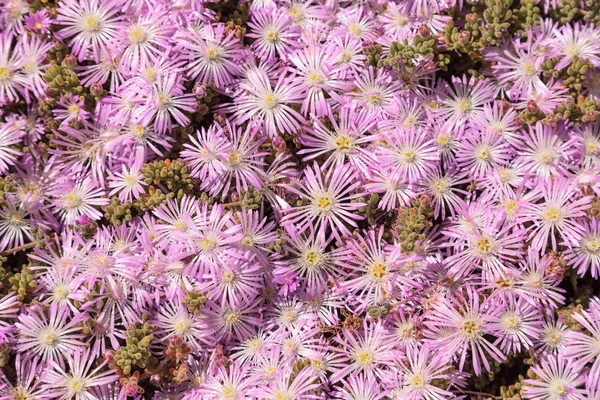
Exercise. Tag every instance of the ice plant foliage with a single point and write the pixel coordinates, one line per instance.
(300, 199)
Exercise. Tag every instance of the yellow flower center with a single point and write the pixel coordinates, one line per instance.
(137, 35)
(272, 35)
(74, 109)
(409, 156)
(547, 156)
(355, 29)
(559, 389)
(484, 245)
(323, 202)
(213, 54)
(592, 146)
(72, 200)
(471, 329)
(231, 317)
(484, 153)
(443, 139)
(235, 159)
(378, 271)
(552, 215)
(61, 292)
(48, 338)
(529, 69)
(76, 385)
(228, 392)
(592, 244)
(464, 105)
(343, 142)
(270, 101)
(5, 74)
(417, 381)
(228, 277)
(313, 257)
(315, 78)
(364, 358)
(91, 24)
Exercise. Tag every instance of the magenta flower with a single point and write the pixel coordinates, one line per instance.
(330, 201)
(92, 25)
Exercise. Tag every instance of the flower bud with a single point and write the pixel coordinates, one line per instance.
(155, 379)
(96, 89)
(278, 143)
(199, 90)
(70, 60)
(464, 37)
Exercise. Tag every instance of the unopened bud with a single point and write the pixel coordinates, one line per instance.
(464, 37)
(96, 89)
(155, 379)
(70, 60)
(278, 143)
(199, 90)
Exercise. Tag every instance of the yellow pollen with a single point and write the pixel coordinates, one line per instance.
(254, 344)
(440, 186)
(552, 215)
(510, 206)
(378, 271)
(72, 200)
(417, 381)
(212, 54)
(5, 74)
(61, 293)
(484, 245)
(315, 78)
(91, 24)
(374, 99)
(137, 35)
(247, 241)
(270, 101)
(228, 392)
(74, 109)
(529, 69)
(592, 146)
(76, 385)
(443, 140)
(355, 29)
(471, 329)
(228, 277)
(464, 105)
(484, 154)
(559, 389)
(554, 338)
(410, 120)
(272, 35)
(344, 142)
(323, 202)
(164, 100)
(183, 325)
(313, 257)
(592, 244)
(48, 339)
(231, 317)
(409, 156)
(235, 159)
(364, 358)
(402, 20)
(547, 156)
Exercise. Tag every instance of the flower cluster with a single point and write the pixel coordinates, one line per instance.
(299, 199)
